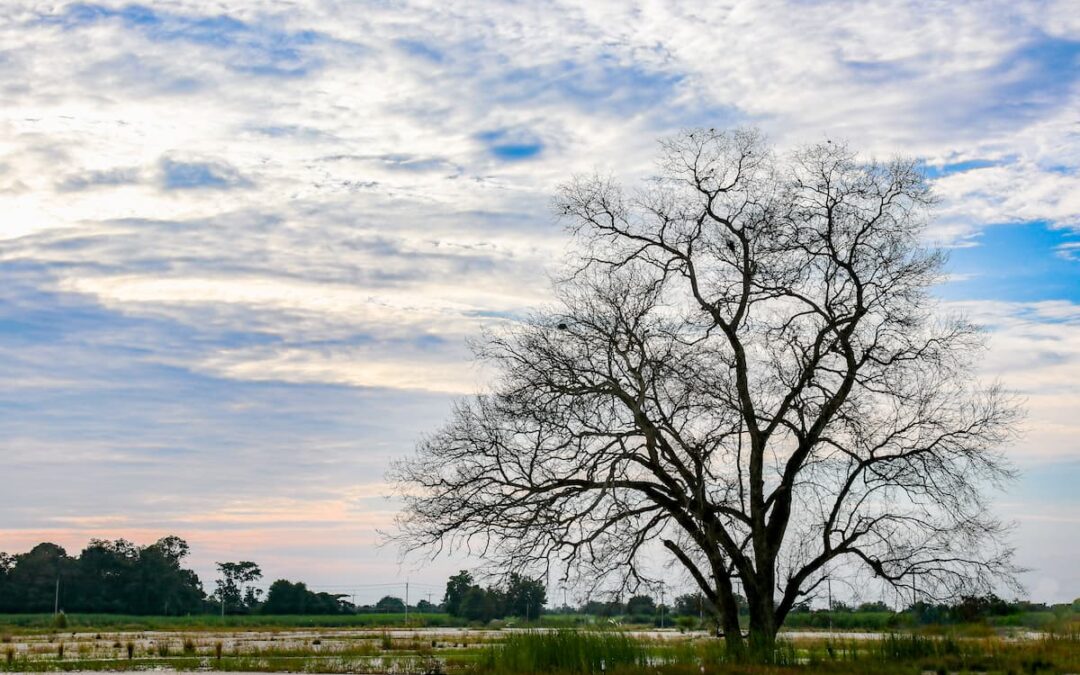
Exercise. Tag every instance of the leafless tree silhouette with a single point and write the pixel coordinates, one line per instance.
(745, 367)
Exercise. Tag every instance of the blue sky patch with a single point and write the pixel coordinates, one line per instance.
(420, 48)
(511, 145)
(1019, 262)
(177, 175)
(937, 171)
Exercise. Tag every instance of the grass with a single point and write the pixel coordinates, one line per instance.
(562, 651)
(565, 651)
(41, 623)
(589, 652)
(1059, 620)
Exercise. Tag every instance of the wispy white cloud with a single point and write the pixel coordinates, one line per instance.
(214, 211)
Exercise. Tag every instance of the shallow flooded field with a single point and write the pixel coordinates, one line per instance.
(449, 650)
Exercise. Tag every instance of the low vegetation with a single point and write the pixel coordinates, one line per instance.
(45, 623)
(568, 651)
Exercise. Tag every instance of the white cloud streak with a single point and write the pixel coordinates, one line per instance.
(324, 193)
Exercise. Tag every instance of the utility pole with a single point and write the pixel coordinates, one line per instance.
(56, 597)
(661, 605)
(829, 579)
(406, 603)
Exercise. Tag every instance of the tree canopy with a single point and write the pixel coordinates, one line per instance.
(744, 364)
(108, 576)
(520, 597)
(286, 597)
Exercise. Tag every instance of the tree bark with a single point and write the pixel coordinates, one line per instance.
(763, 628)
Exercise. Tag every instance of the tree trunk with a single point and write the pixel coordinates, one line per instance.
(734, 645)
(762, 641)
(727, 625)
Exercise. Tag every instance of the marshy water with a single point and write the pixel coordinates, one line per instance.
(424, 650)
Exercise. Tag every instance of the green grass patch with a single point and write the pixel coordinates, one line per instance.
(565, 651)
(42, 623)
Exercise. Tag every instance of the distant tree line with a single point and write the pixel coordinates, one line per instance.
(988, 608)
(107, 577)
(119, 577)
(520, 597)
(285, 597)
(691, 611)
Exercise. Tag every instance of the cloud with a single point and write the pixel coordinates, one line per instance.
(1069, 251)
(245, 245)
(104, 178)
(403, 369)
(1034, 350)
(249, 49)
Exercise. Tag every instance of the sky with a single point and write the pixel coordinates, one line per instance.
(244, 244)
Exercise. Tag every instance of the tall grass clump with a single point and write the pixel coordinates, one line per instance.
(895, 647)
(565, 651)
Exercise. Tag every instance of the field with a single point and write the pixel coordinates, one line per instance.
(282, 646)
(44, 623)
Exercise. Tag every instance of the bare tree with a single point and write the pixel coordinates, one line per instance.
(745, 367)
